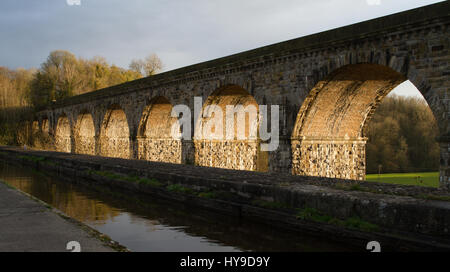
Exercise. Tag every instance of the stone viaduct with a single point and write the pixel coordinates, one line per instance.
(327, 86)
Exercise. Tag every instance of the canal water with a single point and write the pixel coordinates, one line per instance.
(143, 223)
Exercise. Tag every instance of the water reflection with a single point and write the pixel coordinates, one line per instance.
(142, 223)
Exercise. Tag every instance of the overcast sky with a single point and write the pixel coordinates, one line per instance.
(180, 32)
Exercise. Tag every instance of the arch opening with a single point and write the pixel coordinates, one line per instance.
(329, 138)
(41, 138)
(115, 134)
(35, 127)
(63, 142)
(155, 140)
(84, 134)
(402, 136)
(45, 126)
(226, 133)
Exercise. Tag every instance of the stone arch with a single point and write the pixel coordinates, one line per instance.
(45, 125)
(420, 76)
(115, 134)
(84, 134)
(35, 127)
(233, 146)
(63, 140)
(155, 139)
(329, 134)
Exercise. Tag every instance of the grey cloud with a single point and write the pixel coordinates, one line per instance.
(181, 32)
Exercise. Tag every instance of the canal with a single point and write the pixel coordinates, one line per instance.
(144, 223)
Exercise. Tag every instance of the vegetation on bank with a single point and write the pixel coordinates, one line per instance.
(32, 158)
(130, 178)
(352, 222)
(309, 214)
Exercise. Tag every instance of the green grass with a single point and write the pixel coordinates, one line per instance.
(270, 204)
(352, 222)
(32, 158)
(106, 174)
(152, 182)
(430, 179)
(135, 179)
(207, 194)
(434, 197)
(179, 188)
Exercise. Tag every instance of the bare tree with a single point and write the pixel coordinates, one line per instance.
(152, 65)
(137, 65)
(149, 66)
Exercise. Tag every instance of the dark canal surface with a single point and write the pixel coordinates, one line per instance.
(143, 223)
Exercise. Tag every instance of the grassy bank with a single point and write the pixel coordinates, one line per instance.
(430, 179)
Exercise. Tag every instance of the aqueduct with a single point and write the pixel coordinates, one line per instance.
(327, 86)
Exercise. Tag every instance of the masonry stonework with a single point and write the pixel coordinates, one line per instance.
(63, 141)
(115, 135)
(155, 134)
(330, 158)
(327, 86)
(84, 134)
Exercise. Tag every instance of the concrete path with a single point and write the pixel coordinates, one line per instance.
(28, 225)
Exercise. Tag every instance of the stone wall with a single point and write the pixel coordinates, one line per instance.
(155, 141)
(35, 127)
(238, 155)
(325, 73)
(337, 158)
(444, 175)
(271, 198)
(337, 109)
(159, 150)
(45, 126)
(232, 142)
(63, 140)
(115, 136)
(116, 147)
(84, 135)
